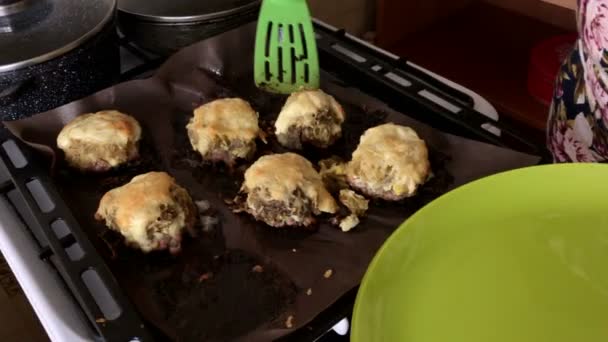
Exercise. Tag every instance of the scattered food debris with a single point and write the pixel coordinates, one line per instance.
(203, 205)
(328, 273)
(356, 203)
(228, 201)
(258, 269)
(100, 320)
(205, 277)
(289, 322)
(333, 173)
(309, 292)
(208, 223)
(349, 222)
(294, 250)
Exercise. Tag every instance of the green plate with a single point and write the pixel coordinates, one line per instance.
(517, 257)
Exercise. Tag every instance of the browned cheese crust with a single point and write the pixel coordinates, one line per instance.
(224, 130)
(100, 141)
(151, 212)
(285, 190)
(309, 117)
(391, 162)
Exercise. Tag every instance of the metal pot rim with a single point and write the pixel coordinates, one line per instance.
(16, 66)
(192, 19)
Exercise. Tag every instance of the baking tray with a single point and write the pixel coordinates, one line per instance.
(293, 260)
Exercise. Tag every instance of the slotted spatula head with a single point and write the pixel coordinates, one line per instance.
(286, 57)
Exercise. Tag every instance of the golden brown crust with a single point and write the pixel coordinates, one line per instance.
(224, 129)
(151, 211)
(100, 141)
(309, 116)
(390, 162)
(290, 184)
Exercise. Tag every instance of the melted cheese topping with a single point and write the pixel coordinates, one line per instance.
(101, 130)
(302, 107)
(280, 175)
(133, 207)
(390, 152)
(231, 119)
(106, 127)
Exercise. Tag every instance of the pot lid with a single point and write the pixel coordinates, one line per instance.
(35, 31)
(183, 11)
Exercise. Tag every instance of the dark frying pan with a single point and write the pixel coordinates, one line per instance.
(164, 27)
(54, 52)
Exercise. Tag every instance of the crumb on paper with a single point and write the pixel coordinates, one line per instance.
(309, 292)
(289, 322)
(349, 222)
(356, 203)
(203, 205)
(208, 223)
(333, 173)
(205, 277)
(100, 320)
(257, 269)
(328, 273)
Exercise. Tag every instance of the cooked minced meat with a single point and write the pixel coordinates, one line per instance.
(224, 130)
(151, 212)
(100, 141)
(391, 162)
(309, 117)
(285, 190)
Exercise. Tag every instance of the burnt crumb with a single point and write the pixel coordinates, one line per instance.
(289, 322)
(205, 276)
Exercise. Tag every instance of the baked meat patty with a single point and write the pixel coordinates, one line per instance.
(224, 130)
(391, 162)
(151, 212)
(100, 141)
(309, 117)
(285, 190)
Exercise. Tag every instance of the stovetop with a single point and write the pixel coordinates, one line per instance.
(441, 103)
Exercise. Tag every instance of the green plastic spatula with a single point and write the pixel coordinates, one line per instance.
(286, 57)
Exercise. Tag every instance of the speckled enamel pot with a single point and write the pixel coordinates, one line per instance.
(53, 60)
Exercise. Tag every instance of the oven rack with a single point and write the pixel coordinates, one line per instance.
(63, 244)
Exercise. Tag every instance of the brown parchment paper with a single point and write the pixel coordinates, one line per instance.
(232, 302)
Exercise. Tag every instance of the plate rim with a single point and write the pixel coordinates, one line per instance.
(405, 225)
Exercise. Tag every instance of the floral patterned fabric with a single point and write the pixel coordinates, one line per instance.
(577, 129)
